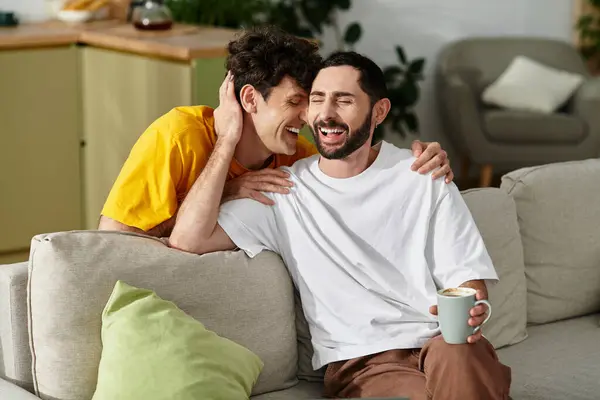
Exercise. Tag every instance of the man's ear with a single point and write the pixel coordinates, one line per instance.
(381, 110)
(248, 98)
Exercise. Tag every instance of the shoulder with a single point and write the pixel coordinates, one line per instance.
(397, 163)
(183, 124)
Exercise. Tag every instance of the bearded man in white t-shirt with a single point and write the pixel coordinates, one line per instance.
(367, 243)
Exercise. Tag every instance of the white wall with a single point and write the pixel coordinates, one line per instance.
(27, 10)
(422, 27)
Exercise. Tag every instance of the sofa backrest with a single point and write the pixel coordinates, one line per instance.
(559, 218)
(72, 274)
(494, 212)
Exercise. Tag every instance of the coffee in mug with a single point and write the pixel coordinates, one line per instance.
(454, 307)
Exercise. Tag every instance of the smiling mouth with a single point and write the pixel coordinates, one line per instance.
(331, 131)
(294, 131)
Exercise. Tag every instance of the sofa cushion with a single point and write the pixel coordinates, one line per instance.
(526, 127)
(72, 274)
(152, 350)
(559, 212)
(302, 391)
(495, 216)
(15, 355)
(557, 361)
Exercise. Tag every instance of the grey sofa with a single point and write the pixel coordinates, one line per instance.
(494, 138)
(542, 229)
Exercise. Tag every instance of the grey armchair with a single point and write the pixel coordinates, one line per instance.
(494, 138)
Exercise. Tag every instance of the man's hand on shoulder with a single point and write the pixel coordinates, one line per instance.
(430, 156)
(228, 115)
(251, 184)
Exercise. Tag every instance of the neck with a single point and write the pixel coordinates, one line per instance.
(250, 151)
(355, 164)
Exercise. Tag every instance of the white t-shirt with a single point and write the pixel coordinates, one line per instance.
(367, 253)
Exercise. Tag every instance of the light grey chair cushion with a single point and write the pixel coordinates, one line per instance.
(560, 360)
(72, 274)
(559, 217)
(15, 356)
(524, 127)
(495, 216)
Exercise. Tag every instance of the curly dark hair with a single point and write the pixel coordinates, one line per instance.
(263, 56)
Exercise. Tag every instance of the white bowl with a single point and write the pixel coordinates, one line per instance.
(75, 16)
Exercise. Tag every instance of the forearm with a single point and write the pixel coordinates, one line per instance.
(477, 285)
(197, 218)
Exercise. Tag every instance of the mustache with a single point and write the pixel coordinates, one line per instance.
(330, 124)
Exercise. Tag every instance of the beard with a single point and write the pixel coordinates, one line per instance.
(354, 140)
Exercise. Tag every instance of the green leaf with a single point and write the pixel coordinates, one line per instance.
(401, 55)
(391, 73)
(411, 121)
(353, 33)
(416, 66)
(585, 21)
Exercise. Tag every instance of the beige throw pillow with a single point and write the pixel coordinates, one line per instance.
(531, 86)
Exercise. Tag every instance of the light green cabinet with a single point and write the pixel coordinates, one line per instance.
(40, 182)
(68, 119)
(122, 95)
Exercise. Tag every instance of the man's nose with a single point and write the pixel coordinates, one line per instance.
(328, 112)
(304, 116)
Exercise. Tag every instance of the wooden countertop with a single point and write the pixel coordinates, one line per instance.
(182, 42)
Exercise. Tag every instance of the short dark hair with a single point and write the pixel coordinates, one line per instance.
(371, 80)
(262, 56)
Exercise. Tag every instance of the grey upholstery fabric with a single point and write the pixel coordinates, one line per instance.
(15, 356)
(467, 66)
(558, 361)
(559, 218)
(496, 218)
(302, 391)
(8, 391)
(522, 127)
(73, 273)
(495, 215)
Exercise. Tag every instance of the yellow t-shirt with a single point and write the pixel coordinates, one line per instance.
(165, 162)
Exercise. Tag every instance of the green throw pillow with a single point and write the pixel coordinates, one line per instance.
(153, 350)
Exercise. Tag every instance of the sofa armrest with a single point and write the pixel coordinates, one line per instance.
(15, 354)
(12, 392)
(586, 103)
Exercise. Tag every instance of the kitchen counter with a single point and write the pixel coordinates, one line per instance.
(182, 42)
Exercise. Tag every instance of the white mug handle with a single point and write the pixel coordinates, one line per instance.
(487, 303)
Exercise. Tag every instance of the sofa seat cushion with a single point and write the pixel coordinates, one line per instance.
(509, 126)
(13, 392)
(558, 360)
(302, 391)
(559, 212)
(71, 277)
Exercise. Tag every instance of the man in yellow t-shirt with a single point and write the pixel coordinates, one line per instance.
(273, 74)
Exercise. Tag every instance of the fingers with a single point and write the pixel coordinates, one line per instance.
(433, 310)
(433, 163)
(475, 338)
(271, 171)
(431, 150)
(476, 321)
(479, 295)
(450, 176)
(268, 178)
(261, 198)
(478, 310)
(262, 186)
(224, 85)
(417, 148)
(442, 171)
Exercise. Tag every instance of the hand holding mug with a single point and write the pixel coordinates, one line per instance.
(461, 313)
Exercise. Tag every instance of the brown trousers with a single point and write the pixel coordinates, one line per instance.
(438, 371)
